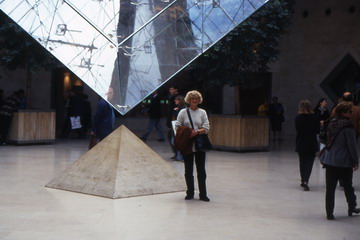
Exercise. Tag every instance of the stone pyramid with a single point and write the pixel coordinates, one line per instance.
(120, 166)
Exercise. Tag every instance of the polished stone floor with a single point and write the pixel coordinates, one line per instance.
(254, 195)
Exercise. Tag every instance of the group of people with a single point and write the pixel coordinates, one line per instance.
(334, 134)
(8, 106)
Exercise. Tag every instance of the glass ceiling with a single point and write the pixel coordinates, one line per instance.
(132, 46)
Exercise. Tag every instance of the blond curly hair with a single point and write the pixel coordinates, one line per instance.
(193, 94)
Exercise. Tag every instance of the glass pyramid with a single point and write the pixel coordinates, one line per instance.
(132, 46)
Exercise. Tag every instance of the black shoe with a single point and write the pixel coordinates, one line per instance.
(189, 197)
(161, 140)
(204, 198)
(330, 217)
(354, 210)
(305, 187)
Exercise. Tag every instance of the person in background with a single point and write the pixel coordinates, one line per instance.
(276, 116)
(321, 111)
(22, 99)
(10, 105)
(307, 126)
(154, 118)
(340, 158)
(173, 93)
(179, 105)
(201, 126)
(263, 109)
(104, 117)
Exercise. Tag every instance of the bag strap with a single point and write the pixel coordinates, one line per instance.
(189, 115)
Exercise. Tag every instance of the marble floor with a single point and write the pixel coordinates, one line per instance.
(254, 195)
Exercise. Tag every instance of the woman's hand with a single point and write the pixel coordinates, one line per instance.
(197, 132)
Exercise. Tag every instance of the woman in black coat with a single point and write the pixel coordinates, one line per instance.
(307, 126)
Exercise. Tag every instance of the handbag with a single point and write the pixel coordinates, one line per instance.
(202, 141)
(183, 141)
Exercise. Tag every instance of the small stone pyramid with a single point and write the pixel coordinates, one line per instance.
(120, 166)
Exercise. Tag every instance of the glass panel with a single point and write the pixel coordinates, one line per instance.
(133, 46)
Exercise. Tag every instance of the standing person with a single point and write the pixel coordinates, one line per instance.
(22, 99)
(307, 126)
(263, 109)
(76, 110)
(321, 111)
(173, 93)
(154, 118)
(340, 158)
(104, 117)
(10, 105)
(179, 105)
(276, 115)
(201, 126)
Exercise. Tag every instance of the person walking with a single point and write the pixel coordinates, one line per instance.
(340, 158)
(173, 93)
(201, 126)
(179, 105)
(307, 126)
(154, 118)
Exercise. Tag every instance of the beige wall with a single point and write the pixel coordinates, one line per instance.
(312, 47)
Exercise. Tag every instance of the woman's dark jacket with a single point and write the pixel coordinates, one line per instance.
(322, 113)
(342, 152)
(307, 126)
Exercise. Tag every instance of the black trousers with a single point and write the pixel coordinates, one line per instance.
(201, 172)
(333, 174)
(306, 162)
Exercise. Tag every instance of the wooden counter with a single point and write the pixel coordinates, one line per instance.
(242, 133)
(32, 126)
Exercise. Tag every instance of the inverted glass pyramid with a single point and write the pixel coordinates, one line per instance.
(132, 46)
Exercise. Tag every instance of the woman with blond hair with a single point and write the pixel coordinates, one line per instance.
(199, 124)
(307, 126)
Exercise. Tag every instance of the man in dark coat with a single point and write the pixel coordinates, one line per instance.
(154, 118)
(104, 117)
